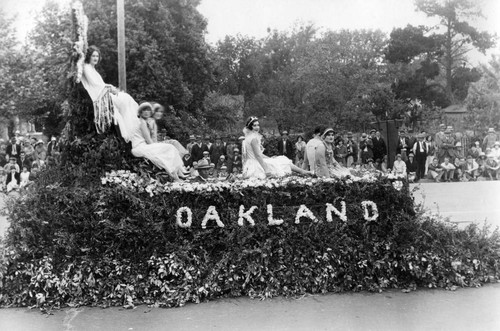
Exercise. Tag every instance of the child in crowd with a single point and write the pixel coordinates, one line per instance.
(435, 170)
(448, 169)
(25, 177)
(237, 162)
(12, 182)
(221, 168)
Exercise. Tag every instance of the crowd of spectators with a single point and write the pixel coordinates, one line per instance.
(22, 158)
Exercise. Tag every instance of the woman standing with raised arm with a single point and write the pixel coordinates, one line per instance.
(258, 165)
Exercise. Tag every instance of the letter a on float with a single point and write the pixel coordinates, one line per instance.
(211, 215)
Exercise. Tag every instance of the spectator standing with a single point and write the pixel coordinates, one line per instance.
(197, 150)
(300, 147)
(192, 142)
(379, 146)
(341, 152)
(217, 150)
(403, 147)
(447, 148)
(285, 146)
(231, 145)
(237, 164)
(431, 151)
(13, 149)
(490, 139)
(366, 148)
(438, 138)
(420, 153)
(207, 141)
(352, 150)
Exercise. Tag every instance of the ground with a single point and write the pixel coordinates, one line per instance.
(464, 309)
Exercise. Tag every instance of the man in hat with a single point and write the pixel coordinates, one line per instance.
(435, 170)
(379, 147)
(490, 139)
(216, 150)
(352, 150)
(420, 151)
(403, 147)
(285, 146)
(198, 149)
(13, 148)
(495, 151)
(492, 167)
(447, 148)
(191, 143)
(471, 169)
(366, 148)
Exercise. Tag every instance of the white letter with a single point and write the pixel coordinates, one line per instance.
(242, 215)
(270, 218)
(211, 215)
(342, 215)
(189, 213)
(374, 208)
(304, 212)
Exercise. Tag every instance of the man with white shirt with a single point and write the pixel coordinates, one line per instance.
(285, 146)
(310, 162)
(420, 152)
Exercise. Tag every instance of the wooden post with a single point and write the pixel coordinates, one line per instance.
(122, 72)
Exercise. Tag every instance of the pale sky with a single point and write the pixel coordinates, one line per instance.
(253, 17)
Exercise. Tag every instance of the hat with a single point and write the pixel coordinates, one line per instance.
(482, 155)
(363, 135)
(469, 157)
(491, 130)
(144, 106)
(411, 154)
(53, 138)
(284, 133)
(398, 155)
(369, 160)
(449, 127)
(497, 143)
(241, 138)
(458, 144)
(192, 137)
(203, 164)
(236, 149)
(373, 130)
(402, 131)
(39, 142)
(206, 153)
(207, 138)
(447, 130)
(327, 131)
(17, 132)
(421, 135)
(442, 126)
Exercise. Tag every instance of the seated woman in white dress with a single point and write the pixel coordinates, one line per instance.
(258, 165)
(158, 112)
(110, 102)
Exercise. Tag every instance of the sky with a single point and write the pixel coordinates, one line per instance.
(254, 17)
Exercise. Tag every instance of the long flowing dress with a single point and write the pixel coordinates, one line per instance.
(164, 156)
(277, 166)
(335, 169)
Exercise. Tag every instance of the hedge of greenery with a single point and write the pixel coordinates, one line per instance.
(120, 245)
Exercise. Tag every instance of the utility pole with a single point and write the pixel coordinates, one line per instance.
(122, 71)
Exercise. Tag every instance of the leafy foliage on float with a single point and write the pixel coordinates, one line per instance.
(110, 245)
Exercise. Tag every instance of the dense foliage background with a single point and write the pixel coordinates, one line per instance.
(295, 78)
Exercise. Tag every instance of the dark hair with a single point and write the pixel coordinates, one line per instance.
(318, 130)
(91, 51)
(300, 138)
(250, 121)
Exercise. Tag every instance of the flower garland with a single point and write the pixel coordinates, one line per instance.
(246, 215)
(374, 209)
(270, 219)
(189, 215)
(304, 212)
(341, 214)
(211, 214)
(80, 46)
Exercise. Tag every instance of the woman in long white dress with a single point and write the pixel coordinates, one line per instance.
(258, 165)
(124, 112)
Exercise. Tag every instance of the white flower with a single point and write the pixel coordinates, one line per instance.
(246, 215)
(341, 214)
(304, 212)
(189, 214)
(374, 208)
(270, 219)
(211, 215)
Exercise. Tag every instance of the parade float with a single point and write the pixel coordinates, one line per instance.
(108, 229)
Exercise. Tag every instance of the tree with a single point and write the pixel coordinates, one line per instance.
(458, 36)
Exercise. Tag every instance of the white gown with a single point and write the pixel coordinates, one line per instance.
(165, 156)
(278, 166)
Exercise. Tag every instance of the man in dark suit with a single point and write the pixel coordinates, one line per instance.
(379, 148)
(285, 146)
(13, 148)
(198, 149)
(24, 161)
(403, 146)
(420, 151)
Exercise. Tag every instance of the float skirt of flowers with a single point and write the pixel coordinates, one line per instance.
(133, 240)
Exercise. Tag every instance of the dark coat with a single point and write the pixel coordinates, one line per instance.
(197, 152)
(10, 148)
(289, 149)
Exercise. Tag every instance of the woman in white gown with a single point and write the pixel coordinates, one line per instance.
(110, 102)
(258, 165)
